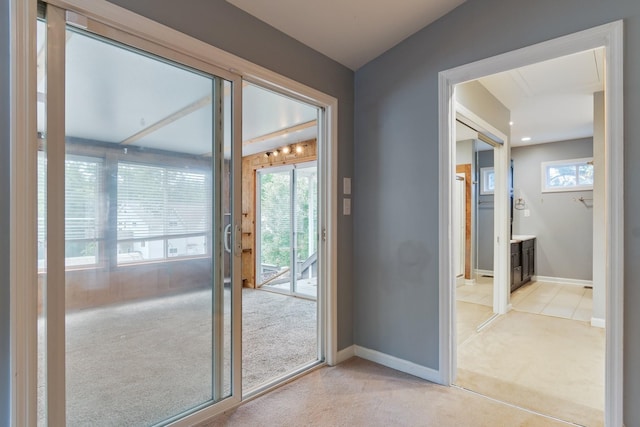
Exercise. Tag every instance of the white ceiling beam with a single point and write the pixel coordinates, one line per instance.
(201, 103)
(292, 129)
(185, 111)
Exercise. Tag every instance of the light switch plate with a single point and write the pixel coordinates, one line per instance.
(346, 206)
(346, 186)
(527, 212)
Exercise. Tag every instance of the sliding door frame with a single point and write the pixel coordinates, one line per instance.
(24, 178)
(57, 20)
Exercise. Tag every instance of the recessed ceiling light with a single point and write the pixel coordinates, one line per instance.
(526, 138)
(510, 123)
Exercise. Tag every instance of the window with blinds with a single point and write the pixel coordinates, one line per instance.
(83, 199)
(163, 212)
(42, 210)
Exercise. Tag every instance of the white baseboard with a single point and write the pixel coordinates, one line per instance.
(345, 354)
(484, 273)
(563, 281)
(470, 282)
(597, 322)
(399, 364)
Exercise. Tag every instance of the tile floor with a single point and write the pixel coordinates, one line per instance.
(550, 299)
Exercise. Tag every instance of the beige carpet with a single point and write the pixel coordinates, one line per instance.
(361, 393)
(546, 364)
(140, 363)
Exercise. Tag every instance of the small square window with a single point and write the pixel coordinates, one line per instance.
(567, 175)
(487, 181)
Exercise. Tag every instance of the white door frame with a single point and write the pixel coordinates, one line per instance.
(609, 36)
(23, 172)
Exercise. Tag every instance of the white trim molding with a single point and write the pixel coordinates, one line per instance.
(484, 272)
(610, 36)
(345, 354)
(562, 281)
(399, 364)
(597, 322)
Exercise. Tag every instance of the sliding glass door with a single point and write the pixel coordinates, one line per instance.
(138, 177)
(287, 202)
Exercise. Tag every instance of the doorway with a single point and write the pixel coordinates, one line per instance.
(282, 266)
(145, 238)
(608, 36)
(131, 202)
(287, 247)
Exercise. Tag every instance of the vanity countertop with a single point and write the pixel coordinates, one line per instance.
(521, 237)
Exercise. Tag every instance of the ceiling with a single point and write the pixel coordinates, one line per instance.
(351, 32)
(549, 101)
(552, 100)
(116, 95)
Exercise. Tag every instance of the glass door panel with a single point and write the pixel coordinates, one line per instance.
(306, 231)
(274, 269)
(147, 169)
(288, 232)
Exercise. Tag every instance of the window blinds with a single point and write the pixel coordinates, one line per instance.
(83, 193)
(154, 202)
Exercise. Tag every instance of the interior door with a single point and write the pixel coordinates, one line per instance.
(138, 165)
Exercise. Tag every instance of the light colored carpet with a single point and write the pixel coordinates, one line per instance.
(546, 364)
(279, 335)
(362, 393)
(140, 363)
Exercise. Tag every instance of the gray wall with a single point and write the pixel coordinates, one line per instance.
(4, 214)
(229, 28)
(564, 228)
(481, 102)
(485, 215)
(464, 152)
(396, 168)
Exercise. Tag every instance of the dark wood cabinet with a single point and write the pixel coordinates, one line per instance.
(528, 259)
(523, 255)
(516, 265)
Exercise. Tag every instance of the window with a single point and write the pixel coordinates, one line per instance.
(487, 181)
(567, 175)
(42, 210)
(83, 192)
(162, 213)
